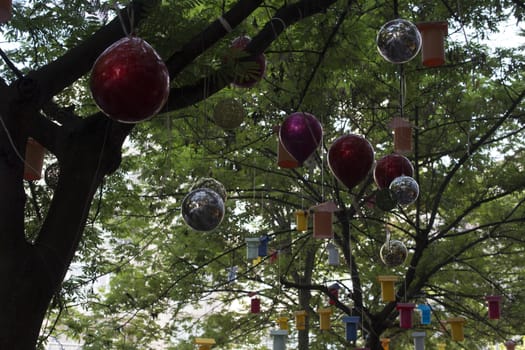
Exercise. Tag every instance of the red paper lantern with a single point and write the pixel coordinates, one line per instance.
(6, 10)
(251, 76)
(350, 158)
(129, 81)
(391, 166)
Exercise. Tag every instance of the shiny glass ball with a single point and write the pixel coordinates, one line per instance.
(393, 253)
(203, 209)
(212, 184)
(406, 189)
(398, 41)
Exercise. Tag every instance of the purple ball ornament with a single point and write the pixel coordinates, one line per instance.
(350, 159)
(391, 166)
(301, 134)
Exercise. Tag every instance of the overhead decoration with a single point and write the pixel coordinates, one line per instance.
(252, 248)
(323, 215)
(433, 42)
(398, 41)
(229, 113)
(419, 340)
(301, 220)
(402, 135)
(456, 328)
(204, 343)
(34, 160)
(232, 273)
(333, 254)
(391, 166)
(405, 314)
(263, 245)
(385, 199)
(405, 189)
(300, 320)
(385, 343)
(333, 290)
(6, 10)
(282, 321)
(52, 174)
(387, 287)
(510, 345)
(441, 346)
(425, 313)
(279, 338)
(494, 302)
(350, 158)
(351, 323)
(255, 304)
(324, 318)
(300, 134)
(393, 253)
(203, 209)
(129, 81)
(247, 78)
(212, 184)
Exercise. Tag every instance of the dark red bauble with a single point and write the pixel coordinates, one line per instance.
(350, 158)
(391, 166)
(250, 76)
(129, 81)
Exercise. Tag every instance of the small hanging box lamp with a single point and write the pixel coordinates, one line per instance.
(255, 305)
(425, 313)
(232, 273)
(6, 10)
(441, 346)
(34, 160)
(387, 287)
(494, 302)
(204, 343)
(323, 219)
(433, 42)
(351, 323)
(252, 248)
(456, 326)
(282, 321)
(419, 340)
(510, 345)
(300, 320)
(301, 220)
(279, 339)
(385, 343)
(402, 135)
(405, 314)
(334, 293)
(324, 318)
(263, 245)
(333, 254)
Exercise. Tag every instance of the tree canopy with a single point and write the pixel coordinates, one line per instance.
(98, 251)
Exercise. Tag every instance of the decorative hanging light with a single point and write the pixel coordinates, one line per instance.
(494, 302)
(425, 313)
(333, 254)
(247, 78)
(387, 287)
(279, 339)
(398, 41)
(301, 134)
(301, 220)
(204, 343)
(333, 290)
(252, 247)
(456, 327)
(433, 42)
(324, 318)
(405, 314)
(510, 344)
(393, 253)
(351, 323)
(402, 135)
(203, 209)
(263, 245)
(300, 320)
(255, 305)
(229, 113)
(282, 321)
(323, 214)
(406, 189)
(385, 343)
(419, 340)
(6, 10)
(390, 167)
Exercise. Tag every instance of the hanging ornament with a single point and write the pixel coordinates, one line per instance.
(232, 273)
(282, 321)
(203, 209)
(350, 158)
(402, 135)
(34, 160)
(385, 199)
(255, 304)
(398, 41)
(385, 343)
(300, 320)
(387, 287)
(204, 343)
(263, 245)
(494, 302)
(405, 314)
(393, 253)
(433, 42)
(333, 254)
(323, 214)
(301, 220)
(300, 135)
(419, 340)
(510, 345)
(441, 346)
(229, 113)
(279, 339)
(6, 10)
(255, 69)
(389, 167)
(252, 247)
(129, 81)
(351, 323)
(405, 189)
(212, 184)
(324, 318)
(425, 313)
(333, 290)
(456, 328)
(52, 174)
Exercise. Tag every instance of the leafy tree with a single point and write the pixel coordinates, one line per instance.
(462, 233)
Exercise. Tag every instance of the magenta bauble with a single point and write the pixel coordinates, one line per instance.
(350, 158)
(391, 166)
(249, 76)
(300, 135)
(129, 81)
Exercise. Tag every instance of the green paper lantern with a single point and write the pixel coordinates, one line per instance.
(229, 114)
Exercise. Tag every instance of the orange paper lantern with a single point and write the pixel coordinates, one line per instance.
(433, 38)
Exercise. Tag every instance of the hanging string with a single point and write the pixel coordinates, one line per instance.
(402, 90)
(14, 146)
(131, 17)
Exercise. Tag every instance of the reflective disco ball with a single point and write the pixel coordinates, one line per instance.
(405, 189)
(212, 184)
(203, 209)
(393, 253)
(398, 41)
(52, 174)
(229, 113)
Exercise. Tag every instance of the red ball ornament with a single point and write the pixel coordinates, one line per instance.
(391, 166)
(247, 78)
(129, 81)
(350, 159)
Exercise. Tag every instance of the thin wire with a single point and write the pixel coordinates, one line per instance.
(402, 90)
(14, 147)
